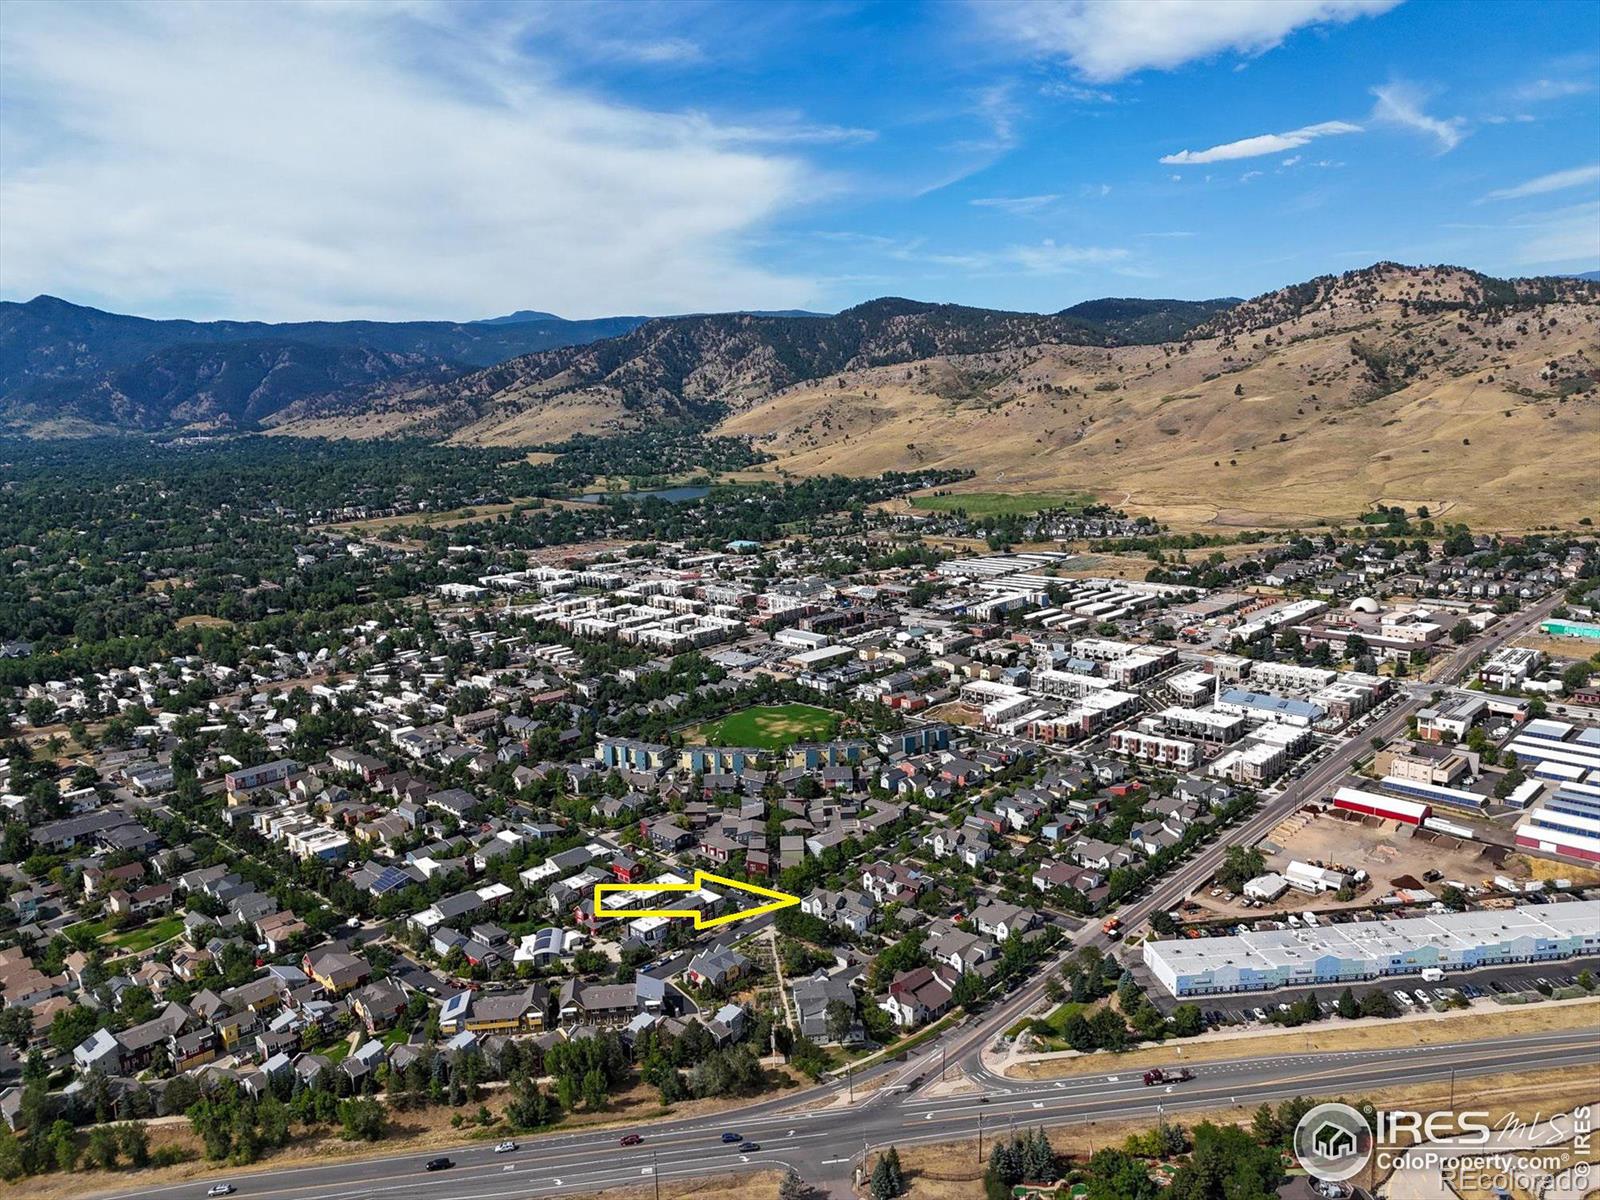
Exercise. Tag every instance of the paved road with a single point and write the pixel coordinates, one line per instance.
(822, 1142)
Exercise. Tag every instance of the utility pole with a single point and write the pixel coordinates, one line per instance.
(1452, 1104)
(943, 1054)
(850, 1079)
(655, 1173)
(980, 1139)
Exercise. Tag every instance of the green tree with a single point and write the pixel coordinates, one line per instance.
(135, 1143)
(363, 1119)
(104, 1149)
(1117, 1175)
(1187, 1020)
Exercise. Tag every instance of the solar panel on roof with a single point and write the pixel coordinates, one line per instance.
(389, 879)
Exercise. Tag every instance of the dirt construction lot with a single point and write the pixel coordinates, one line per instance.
(1385, 850)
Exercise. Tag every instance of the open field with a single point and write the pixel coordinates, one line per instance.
(133, 941)
(1001, 504)
(1559, 647)
(204, 622)
(768, 726)
(443, 519)
(758, 1185)
(950, 1170)
(1482, 1020)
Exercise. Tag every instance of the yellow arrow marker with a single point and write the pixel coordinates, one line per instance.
(776, 899)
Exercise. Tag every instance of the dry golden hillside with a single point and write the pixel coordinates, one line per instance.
(1298, 407)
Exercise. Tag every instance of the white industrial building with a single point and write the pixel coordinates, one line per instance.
(1338, 954)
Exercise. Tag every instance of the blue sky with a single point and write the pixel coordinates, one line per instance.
(460, 160)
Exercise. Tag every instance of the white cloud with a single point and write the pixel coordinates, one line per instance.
(1049, 258)
(1556, 181)
(1553, 89)
(1567, 236)
(1249, 175)
(1108, 39)
(1018, 205)
(336, 160)
(1290, 161)
(1265, 143)
(1401, 104)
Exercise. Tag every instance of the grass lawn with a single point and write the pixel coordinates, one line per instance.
(769, 726)
(1002, 504)
(153, 934)
(1057, 1019)
(336, 1053)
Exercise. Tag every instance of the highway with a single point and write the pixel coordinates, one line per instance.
(821, 1135)
(823, 1143)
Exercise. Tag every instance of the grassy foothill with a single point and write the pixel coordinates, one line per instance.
(769, 726)
(1002, 504)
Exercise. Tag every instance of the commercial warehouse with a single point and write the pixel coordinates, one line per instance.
(1338, 954)
(1433, 793)
(1390, 808)
(1559, 841)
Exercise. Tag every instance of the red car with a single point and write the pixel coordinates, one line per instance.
(633, 1139)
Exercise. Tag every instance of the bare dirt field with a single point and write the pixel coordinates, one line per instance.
(1483, 1020)
(1386, 851)
(1549, 870)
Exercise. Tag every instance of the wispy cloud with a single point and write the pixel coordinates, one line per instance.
(1563, 236)
(1556, 181)
(997, 110)
(1536, 90)
(1401, 104)
(1265, 143)
(1046, 257)
(788, 130)
(1105, 40)
(1060, 89)
(1017, 205)
(362, 160)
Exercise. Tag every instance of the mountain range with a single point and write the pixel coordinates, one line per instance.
(1475, 396)
(64, 367)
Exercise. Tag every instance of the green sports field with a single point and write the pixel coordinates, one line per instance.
(768, 727)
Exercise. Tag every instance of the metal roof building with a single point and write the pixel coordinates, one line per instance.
(1338, 954)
